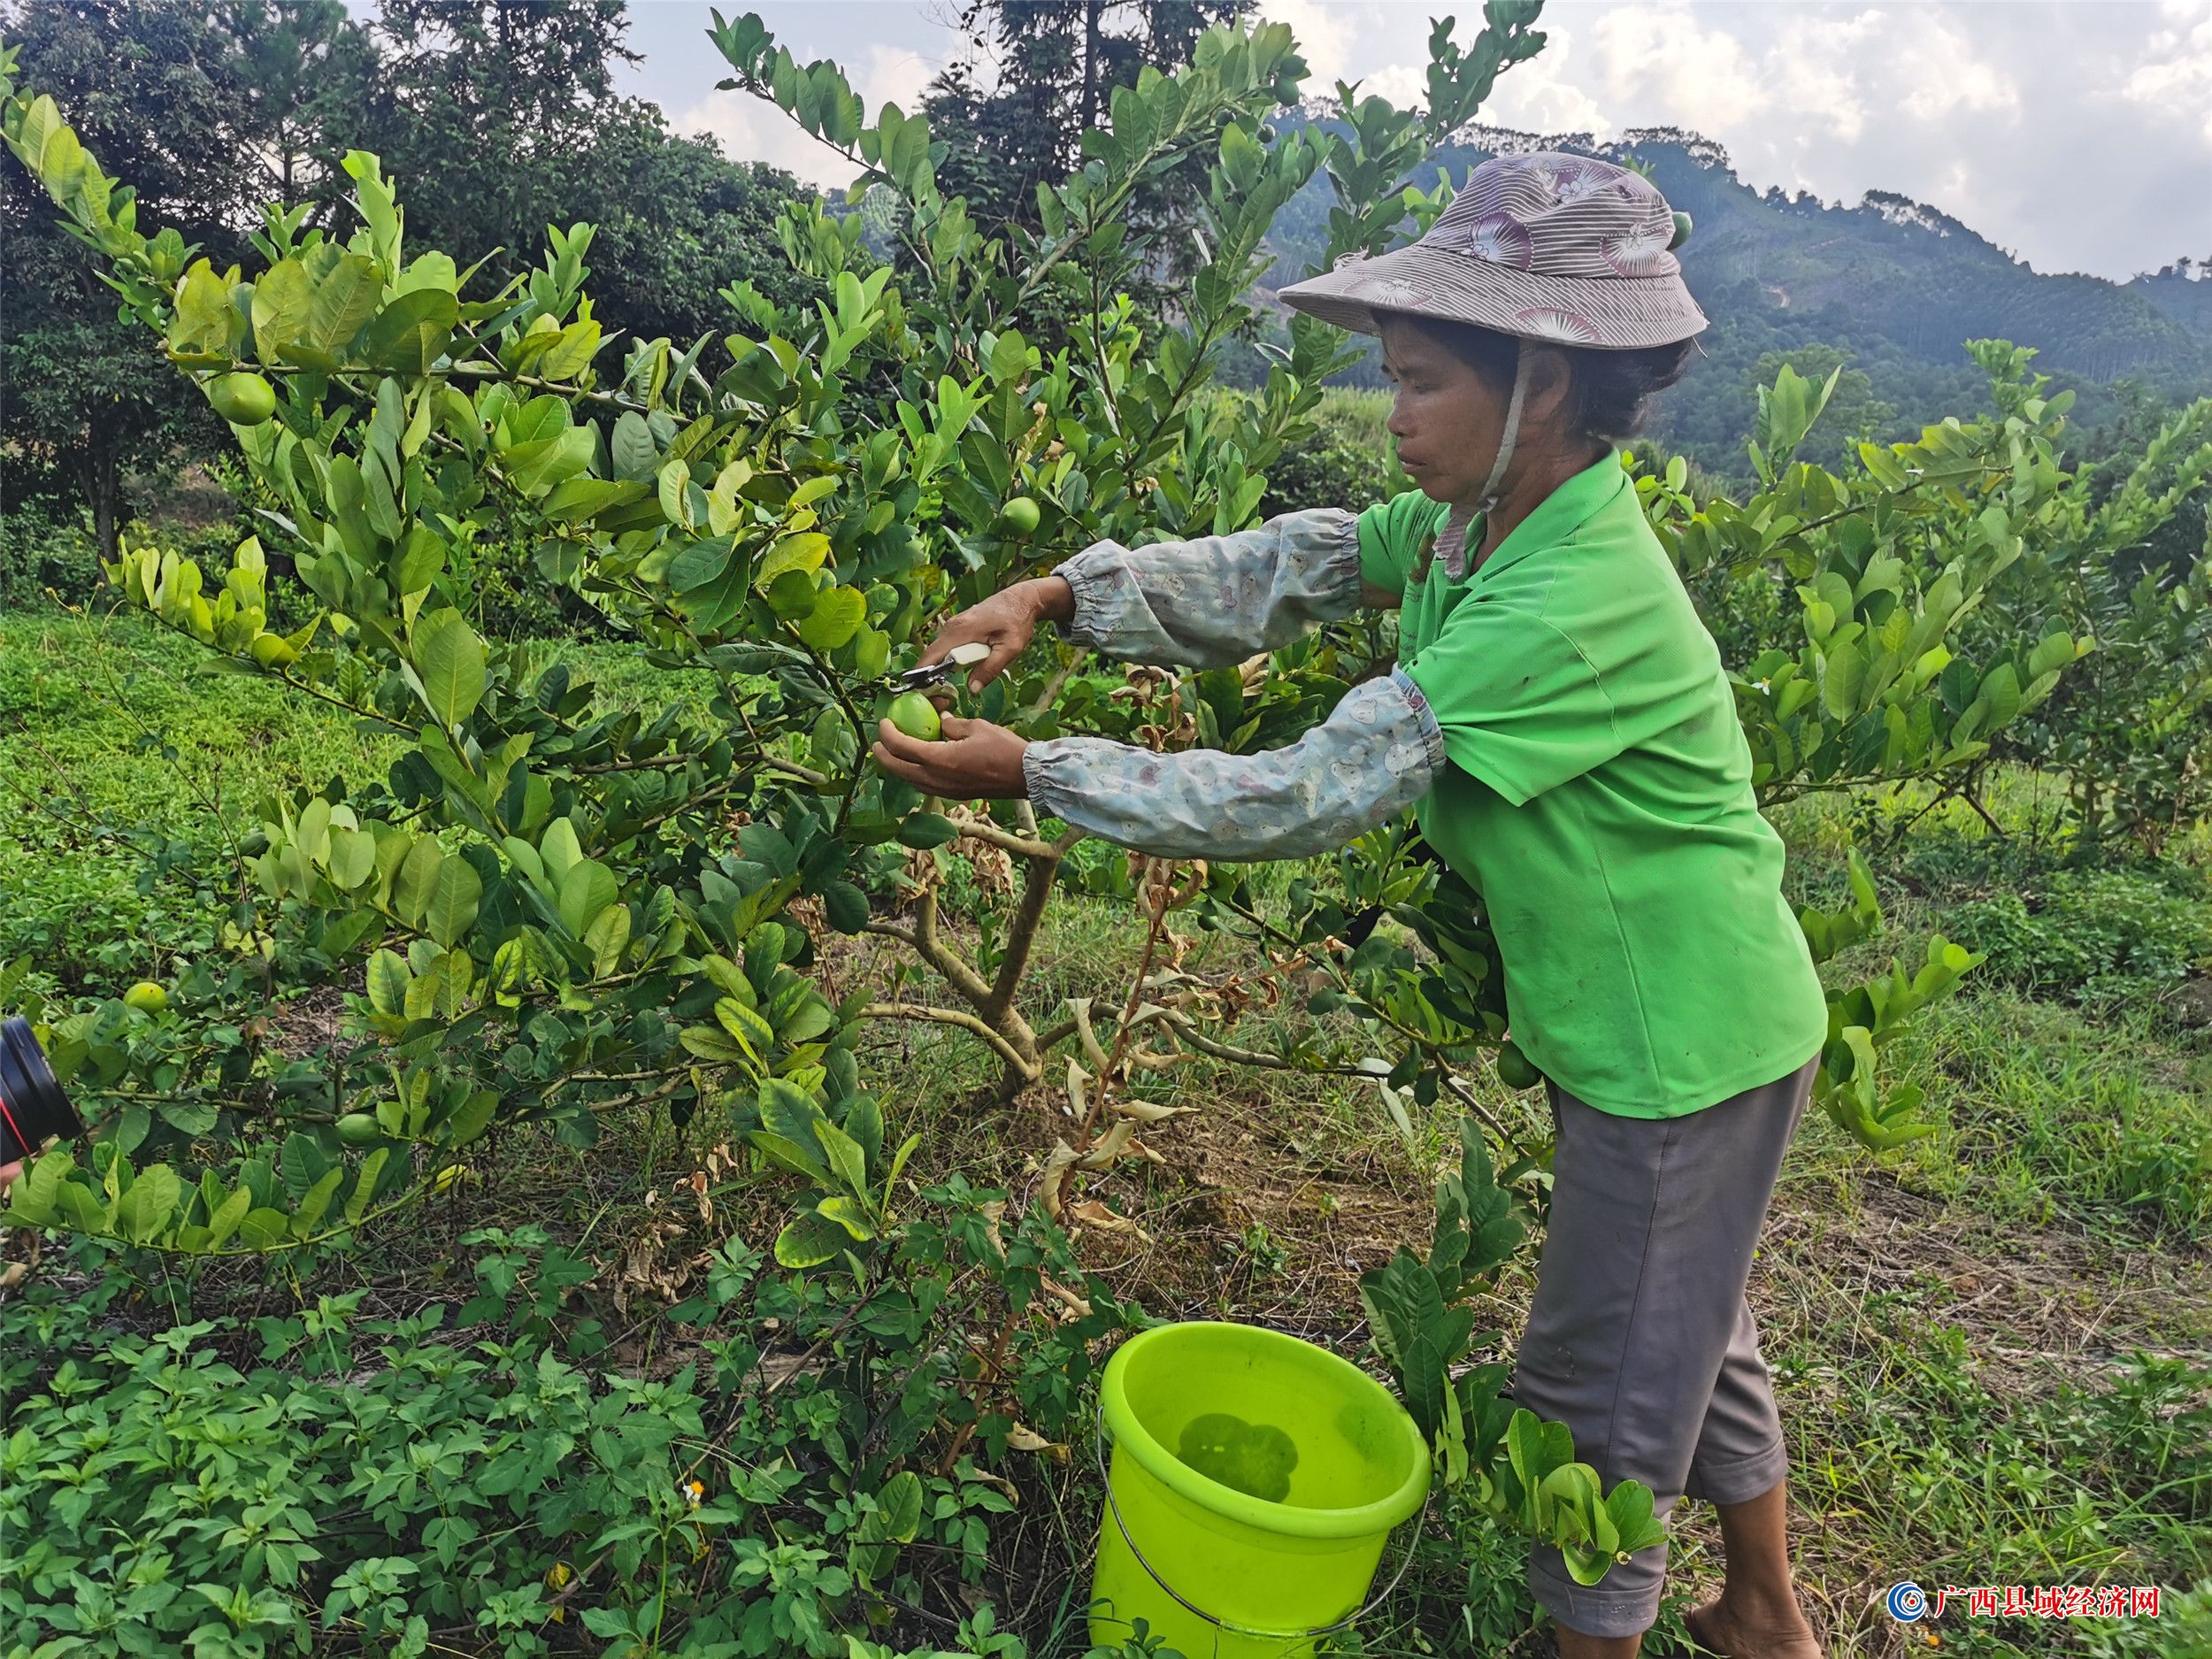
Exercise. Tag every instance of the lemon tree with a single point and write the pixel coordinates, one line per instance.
(550, 909)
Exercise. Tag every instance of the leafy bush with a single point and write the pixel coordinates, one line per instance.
(1350, 460)
(241, 1485)
(40, 550)
(2132, 729)
(2095, 936)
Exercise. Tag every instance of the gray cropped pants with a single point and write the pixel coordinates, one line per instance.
(1640, 1338)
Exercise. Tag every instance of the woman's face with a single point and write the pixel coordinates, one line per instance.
(1448, 419)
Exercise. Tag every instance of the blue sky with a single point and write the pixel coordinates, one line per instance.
(2076, 132)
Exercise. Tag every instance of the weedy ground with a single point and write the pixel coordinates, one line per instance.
(1993, 1349)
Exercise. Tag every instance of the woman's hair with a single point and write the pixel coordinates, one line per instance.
(1612, 389)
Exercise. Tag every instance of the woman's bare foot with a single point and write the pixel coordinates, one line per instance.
(1766, 1633)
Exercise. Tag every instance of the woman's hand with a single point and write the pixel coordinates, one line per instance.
(1004, 622)
(973, 761)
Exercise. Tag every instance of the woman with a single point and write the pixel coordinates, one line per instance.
(1560, 719)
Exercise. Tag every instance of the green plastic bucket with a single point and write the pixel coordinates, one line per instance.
(1220, 1572)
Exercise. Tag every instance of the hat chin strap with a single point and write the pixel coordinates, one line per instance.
(1455, 559)
(1491, 485)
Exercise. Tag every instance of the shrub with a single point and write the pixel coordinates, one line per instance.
(41, 549)
(1350, 461)
(470, 1472)
(2092, 935)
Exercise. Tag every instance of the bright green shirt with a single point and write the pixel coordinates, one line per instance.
(1599, 795)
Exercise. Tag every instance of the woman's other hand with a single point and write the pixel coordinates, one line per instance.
(973, 760)
(1004, 622)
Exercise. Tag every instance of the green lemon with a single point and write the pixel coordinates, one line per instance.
(357, 1129)
(242, 399)
(1514, 1069)
(1681, 229)
(147, 997)
(1020, 516)
(916, 716)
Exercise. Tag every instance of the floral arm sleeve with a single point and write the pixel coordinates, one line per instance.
(1374, 757)
(1219, 599)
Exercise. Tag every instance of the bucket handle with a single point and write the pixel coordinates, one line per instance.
(1106, 1480)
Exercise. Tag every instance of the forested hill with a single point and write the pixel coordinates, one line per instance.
(1892, 284)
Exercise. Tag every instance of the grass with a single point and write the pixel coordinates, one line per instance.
(1983, 1345)
(127, 768)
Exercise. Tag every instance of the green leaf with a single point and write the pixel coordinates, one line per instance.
(1536, 1449)
(315, 1200)
(836, 617)
(1420, 1337)
(2001, 691)
(745, 1023)
(928, 829)
(345, 300)
(416, 879)
(674, 489)
(560, 849)
(1629, 1505)
(282, 299)
(227, 1218)
(410, 333)
(365, 1186)
(2055, 652)
(264, 1228)
(848, 1213)
(586, 889)
(607, 937)
(846, 1158)
(845, 906)
(710, 1045)
(809, 1240)
(146, 1211)
(352, 857)
(789, 1110)
(387, 983)
(536, 468)
(449, 658)
(454, 899)
(635, 454)
(899, 1507)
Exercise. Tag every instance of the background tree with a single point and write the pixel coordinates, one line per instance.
(501, 117)
(201, 104)
(1058, 63)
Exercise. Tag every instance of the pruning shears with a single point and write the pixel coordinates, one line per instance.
(958, 660)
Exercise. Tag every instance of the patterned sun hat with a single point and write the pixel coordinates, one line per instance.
(1545, 247)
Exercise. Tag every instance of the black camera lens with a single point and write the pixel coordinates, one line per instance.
(32, 1104)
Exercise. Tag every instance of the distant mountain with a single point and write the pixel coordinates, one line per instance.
(1895, 285)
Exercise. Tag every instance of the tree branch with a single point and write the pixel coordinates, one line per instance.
(1037, 880)
(964, 1020)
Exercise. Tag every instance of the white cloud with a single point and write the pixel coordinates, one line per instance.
(1546, 95)
(1401, 84)
(2078, 132)
(1938, 65)
(1657, 57)
(1813, 76)
(1325, 34)
(753, 129)
(2178, 76)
